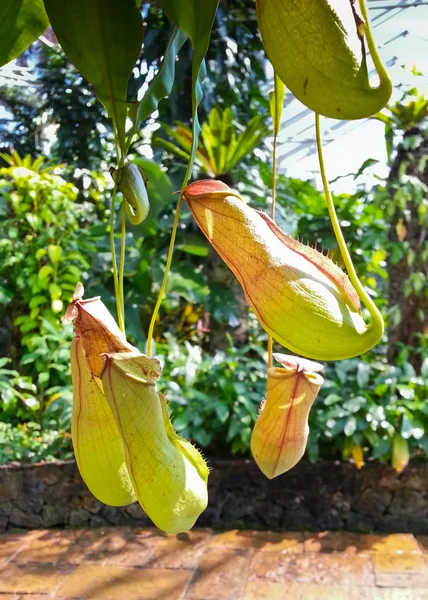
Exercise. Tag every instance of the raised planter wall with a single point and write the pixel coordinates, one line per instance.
(325, 495)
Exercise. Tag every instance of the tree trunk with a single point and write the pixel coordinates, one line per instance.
(407, 228)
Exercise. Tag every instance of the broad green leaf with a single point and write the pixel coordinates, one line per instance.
(276, 103)
(254, 132)
(21, 22)
(169, 147)
(161, 85)
(189, 285)
(55, 291)
(351, 426)
(222, 412)
(45, 271)
(102, 38)
(226, 139)
(193, 17)
(194, 244)
(40, 253)
(210, 136)
(54, 253)
(182, 151)
(320, 55)
(37, 300)
(196, 19)
(181, 134)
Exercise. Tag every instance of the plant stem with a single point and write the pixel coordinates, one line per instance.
(113, 253)
(195, 133)
(118, 277)
(377, 320)
(167, 267)
(169, 257)
(381, 71)
(275, 143)
(122, 266)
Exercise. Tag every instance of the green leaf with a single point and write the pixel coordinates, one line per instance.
(354, 404)
(55, 291)
(412, 427)
(202, 437)
(5, 295)
(332, 399)
(40, 253)
(424, 368)
(102, 38)
(227, 140)
(161, 85)
(43, 378)
(169, 147)
(369, 162)
(45, 271)
(320, 55)
(222, 412)
(196, 19)
(363, 374)
(188, 285)
(382, 449)
(254, 132)
(350, 427)
(21, 22)
(28, 325)
(276, 103)
(195, 245)
(37, 300)
(34, 220)
(54, 253)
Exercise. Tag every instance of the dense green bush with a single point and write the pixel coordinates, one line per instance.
(44, 252)
(368, 404)
(26, 433)
(363, 408)
(215, 399)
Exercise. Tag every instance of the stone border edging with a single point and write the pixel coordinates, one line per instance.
(311, 497)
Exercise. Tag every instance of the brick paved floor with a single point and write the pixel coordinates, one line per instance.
(135, 564)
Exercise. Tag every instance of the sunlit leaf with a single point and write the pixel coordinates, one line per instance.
(102, 38)
(320, 55)
(161, 85)
(21, 23)
(276, 103)
(196, 19)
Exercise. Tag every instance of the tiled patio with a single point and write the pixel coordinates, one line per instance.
(135, 564)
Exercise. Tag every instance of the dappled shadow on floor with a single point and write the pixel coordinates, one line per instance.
(139, 564)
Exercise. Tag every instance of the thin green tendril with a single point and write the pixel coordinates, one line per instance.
(376, 326)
